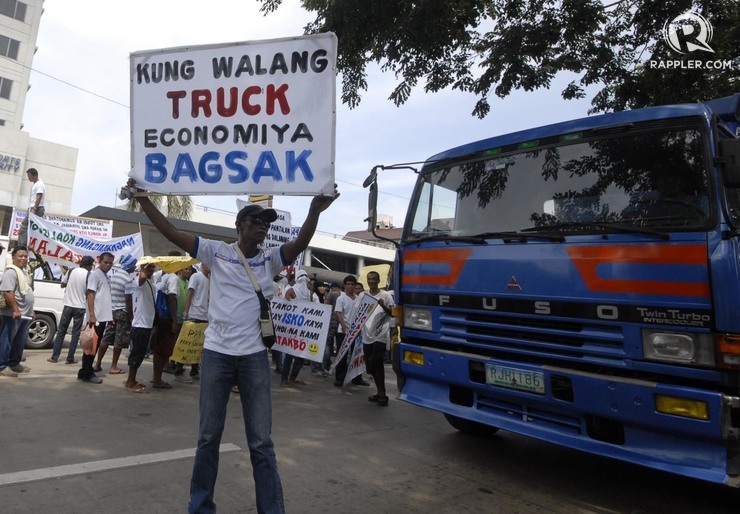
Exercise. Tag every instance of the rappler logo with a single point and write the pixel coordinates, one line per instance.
(688, 32)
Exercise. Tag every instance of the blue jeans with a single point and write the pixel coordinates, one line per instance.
(219, 372)
(68, 314)
(13, 337)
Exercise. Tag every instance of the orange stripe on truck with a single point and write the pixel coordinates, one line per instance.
(453, 259)
(587, 259)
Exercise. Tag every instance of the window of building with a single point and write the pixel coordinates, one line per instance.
(2, 123)
(14, 9)
(9, 47)
(5, 87)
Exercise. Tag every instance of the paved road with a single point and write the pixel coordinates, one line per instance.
(70, 447)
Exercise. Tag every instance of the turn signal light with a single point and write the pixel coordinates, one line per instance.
(728, 348)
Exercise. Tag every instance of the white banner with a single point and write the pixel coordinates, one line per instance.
(87, 227)
(301, 328)
(360, 313)
(250, 117)
(56, 244)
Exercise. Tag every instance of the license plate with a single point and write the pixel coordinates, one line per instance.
(513, 378)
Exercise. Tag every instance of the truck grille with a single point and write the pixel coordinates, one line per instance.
(491, 334)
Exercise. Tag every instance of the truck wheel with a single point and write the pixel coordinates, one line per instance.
(470, 427)
(41, 332)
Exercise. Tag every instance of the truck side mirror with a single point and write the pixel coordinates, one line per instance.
(372, 207)
(729, 150)
(372, 199)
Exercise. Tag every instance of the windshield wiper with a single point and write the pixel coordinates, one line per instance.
(448, 237)
(518, 236)
(603, 225)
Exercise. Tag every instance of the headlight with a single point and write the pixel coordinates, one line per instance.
(418, 319)
(680, 347)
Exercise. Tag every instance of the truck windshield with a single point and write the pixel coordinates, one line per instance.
(646, 180)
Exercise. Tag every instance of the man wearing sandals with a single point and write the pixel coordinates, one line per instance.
(141, 307)
(233, 349)
(375, 337)
(119, 331)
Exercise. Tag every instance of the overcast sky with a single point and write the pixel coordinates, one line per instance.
(79, 97)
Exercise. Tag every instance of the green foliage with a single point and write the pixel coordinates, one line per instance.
(179, 207)
(494, 47)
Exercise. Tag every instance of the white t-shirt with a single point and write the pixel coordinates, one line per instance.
(200, 284)
(156, 277)
(99, 283)
(76, 290)
(377, 326)
(168, 283)
(143, 303)
(233, 311)
(38, 187)
(344, 305)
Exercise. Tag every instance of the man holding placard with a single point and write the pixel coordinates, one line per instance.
(234, 352)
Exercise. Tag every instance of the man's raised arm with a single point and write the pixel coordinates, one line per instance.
(292, 249)
(184, 240)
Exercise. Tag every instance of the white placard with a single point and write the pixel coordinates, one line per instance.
(252, 117)
(301, 328)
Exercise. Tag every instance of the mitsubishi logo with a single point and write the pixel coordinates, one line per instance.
(513, 285)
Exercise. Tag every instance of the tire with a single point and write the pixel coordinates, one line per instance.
(41, 332)
(470, 427)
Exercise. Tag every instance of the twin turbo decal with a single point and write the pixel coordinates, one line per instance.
(588, 259)
(434, 267)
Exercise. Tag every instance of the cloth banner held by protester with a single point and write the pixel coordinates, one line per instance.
(189, 345)
(57, 244)
(301, 328)
(233, 118)
(86, 227)
(360, 313)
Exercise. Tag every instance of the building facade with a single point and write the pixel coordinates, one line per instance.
(19, 27)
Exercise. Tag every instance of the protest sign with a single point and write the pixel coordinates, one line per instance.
(356, 366)
(301, 328)
(16, 220)
(189, 345)
(358, 316)
(87, 227)
(56, 244)
(280, 230)
(249, 117)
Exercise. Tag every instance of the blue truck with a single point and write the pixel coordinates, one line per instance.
(579, 283)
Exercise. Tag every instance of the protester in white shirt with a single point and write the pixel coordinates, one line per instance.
(142, 316)
(75, 289)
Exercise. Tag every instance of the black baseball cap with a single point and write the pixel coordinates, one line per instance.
(255, 211)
